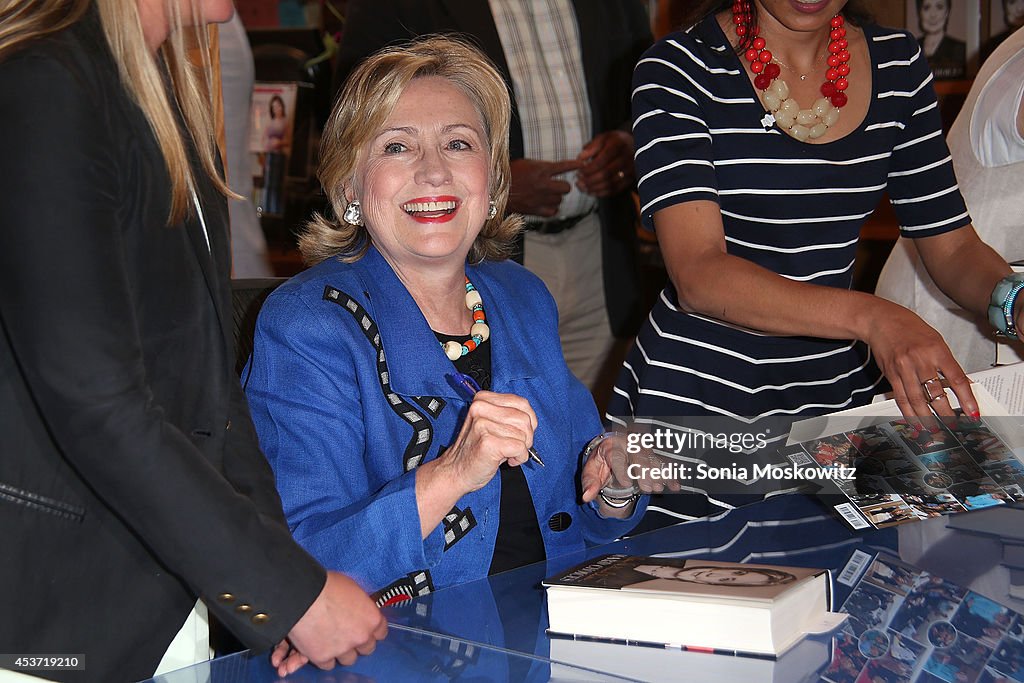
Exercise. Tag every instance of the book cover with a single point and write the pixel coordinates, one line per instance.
(270, 142)
(904, 625)
(685, 577)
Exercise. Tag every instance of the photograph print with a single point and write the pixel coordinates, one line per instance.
(948, 31)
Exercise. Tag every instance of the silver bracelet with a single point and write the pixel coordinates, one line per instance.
(614, 497)
(594, 443)
(617, 503)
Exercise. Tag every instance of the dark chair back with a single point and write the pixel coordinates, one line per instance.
(247, 296)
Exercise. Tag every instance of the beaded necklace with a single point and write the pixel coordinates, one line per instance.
(478, 333)
(802, 124)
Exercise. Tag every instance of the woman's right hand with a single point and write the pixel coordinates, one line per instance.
(498, 428)
(910, 354)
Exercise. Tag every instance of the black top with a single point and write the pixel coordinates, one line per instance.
(519, 541)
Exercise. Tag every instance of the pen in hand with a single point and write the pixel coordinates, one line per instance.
(468, 387)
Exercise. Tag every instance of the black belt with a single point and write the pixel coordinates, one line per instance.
(555, 226)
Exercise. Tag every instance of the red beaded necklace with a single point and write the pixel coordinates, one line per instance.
(802, 124)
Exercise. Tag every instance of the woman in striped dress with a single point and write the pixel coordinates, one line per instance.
(766, 134)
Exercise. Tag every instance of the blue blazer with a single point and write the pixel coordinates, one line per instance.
(348, 391)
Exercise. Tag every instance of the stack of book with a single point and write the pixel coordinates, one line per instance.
(696, 604)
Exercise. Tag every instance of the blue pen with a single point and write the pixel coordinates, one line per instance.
(468, 387)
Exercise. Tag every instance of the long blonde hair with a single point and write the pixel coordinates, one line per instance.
(142, 76)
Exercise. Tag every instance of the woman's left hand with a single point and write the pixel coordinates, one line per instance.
(607, 466)
(286, 659)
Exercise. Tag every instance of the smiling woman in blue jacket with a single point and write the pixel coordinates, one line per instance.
(387, 467)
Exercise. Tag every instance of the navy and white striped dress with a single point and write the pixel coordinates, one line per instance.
(795, 208)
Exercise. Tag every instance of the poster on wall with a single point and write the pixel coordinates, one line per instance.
(1004, 17)
(948, 31)
(270, 141)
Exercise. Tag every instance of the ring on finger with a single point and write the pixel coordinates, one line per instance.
(928, 384)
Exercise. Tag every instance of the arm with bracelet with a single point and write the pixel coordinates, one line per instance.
(976, 277)
(617, 475)
(1002, 306)
(605, 480)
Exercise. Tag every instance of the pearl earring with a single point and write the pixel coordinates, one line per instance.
(353, 213)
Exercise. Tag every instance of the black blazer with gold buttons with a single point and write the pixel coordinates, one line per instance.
(131, 481)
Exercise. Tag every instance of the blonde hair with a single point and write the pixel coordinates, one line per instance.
(142, 76)
(368, 99)
(23, 21)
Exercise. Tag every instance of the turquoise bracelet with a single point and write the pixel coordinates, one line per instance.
(1001, 303)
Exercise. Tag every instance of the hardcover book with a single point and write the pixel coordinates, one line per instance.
(692, 604)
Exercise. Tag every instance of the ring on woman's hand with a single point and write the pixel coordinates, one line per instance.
(927, 386)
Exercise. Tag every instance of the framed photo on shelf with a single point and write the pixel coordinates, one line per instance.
(949, 32)
(1004, 17)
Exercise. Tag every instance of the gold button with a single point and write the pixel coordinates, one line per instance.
(260, 618)
(226, 597)
(243, 608)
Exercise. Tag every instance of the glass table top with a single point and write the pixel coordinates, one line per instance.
(897, 584)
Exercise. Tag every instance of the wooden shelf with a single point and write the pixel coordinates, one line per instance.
(285, 261)
(956, 87)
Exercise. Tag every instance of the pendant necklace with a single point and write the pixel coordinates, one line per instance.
(787, 67)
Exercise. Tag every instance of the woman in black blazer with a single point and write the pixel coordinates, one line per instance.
(131, 482)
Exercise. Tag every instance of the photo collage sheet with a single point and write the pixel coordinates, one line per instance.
(906, 473)
(908, 626)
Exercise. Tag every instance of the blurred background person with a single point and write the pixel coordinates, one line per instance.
(946, 55)
(237, 76)
(1013, 19)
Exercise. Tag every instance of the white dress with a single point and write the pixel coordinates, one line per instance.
(988, 155)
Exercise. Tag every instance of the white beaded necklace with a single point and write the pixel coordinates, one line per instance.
(479, 333)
